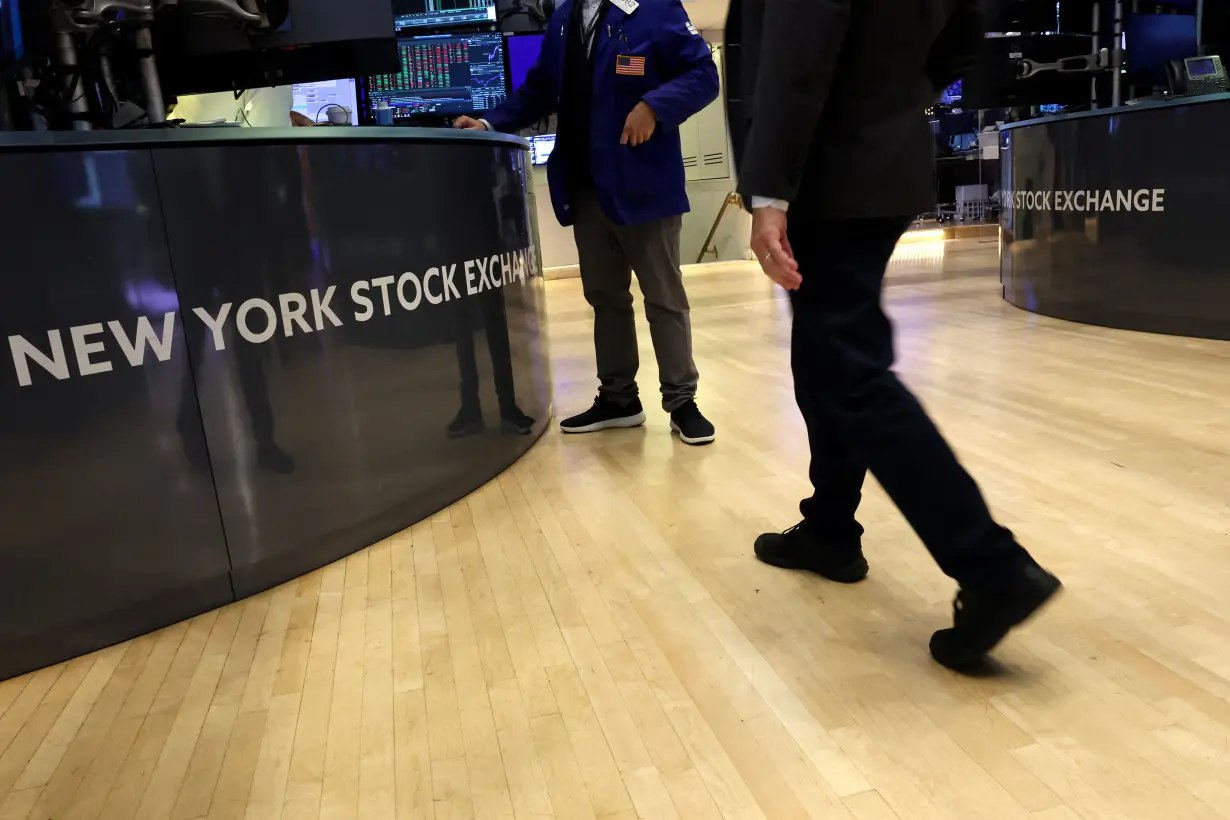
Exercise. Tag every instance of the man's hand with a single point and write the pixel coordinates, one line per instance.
(772, 248)
(469, 124)
(639, 126)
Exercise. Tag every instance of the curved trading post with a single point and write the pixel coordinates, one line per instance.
(1116, 217)
(234, 355)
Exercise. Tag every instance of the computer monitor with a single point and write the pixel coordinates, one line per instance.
(444, 75)
(1153, 40)
(312, 99)
(12, 46)
(952, 125)
(541, 147)
(410, 14)
(523, 51)
(320, 40)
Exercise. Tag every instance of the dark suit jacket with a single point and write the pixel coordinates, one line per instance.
(826, 99)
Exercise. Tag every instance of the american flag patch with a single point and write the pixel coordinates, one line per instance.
(630, 66)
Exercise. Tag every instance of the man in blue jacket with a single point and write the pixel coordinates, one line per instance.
(623, 76)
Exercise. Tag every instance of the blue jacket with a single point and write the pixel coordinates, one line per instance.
(633, 184)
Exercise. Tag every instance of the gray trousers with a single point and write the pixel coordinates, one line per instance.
(609, 253)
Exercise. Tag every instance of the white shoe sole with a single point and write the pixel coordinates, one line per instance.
(609, 424)
(693, 441)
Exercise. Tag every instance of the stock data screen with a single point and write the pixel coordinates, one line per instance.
(436, 13)
(446, 74)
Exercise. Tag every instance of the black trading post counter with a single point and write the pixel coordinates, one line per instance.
(1118, 217)
(232, 356)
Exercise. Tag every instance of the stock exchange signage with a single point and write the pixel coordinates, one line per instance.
(1118, 218)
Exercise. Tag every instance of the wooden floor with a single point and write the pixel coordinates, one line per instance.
(589, 636)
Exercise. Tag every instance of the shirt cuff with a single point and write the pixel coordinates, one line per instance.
(486, 124)
(766, 202)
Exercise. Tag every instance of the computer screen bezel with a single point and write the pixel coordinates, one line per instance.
(1133, 23)
(515, 35)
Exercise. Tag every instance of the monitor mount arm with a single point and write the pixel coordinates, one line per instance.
(220, 8)
(70, 18)
(1080, 64)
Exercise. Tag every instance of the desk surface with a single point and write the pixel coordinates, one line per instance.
(228, 135)
(1152, 105)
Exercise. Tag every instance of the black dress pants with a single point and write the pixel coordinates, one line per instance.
(861, 417)
(493, 316)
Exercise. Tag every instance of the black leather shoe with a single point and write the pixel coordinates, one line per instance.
(983, 615)
(513, 422)
(467, 422)
(797, 549)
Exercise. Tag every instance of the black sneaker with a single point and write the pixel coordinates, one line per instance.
(605, 415)
(692, 427)
(515, 423)
(467, 422)
(796, 549)
(982, 616)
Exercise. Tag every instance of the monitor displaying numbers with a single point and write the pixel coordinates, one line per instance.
(444, 74)
(439, 13)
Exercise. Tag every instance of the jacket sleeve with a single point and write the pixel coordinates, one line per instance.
(792, 87)
(685, 58)
(954, 50)
(535, 100)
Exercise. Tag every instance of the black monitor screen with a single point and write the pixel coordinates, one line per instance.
(11, 45)
(436, 13)
(523, 50)
(1153, 40)
(445, 74)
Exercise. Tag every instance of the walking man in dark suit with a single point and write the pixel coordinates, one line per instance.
(827, 102)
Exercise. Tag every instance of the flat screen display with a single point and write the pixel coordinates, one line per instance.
(12, 47)
(313, 100)
(409, 14)
(523, 51)
(444, 74)
(541, 147)
(1153, 40)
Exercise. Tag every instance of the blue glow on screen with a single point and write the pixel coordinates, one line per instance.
(11, 45)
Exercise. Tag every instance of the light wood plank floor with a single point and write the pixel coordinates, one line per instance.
(589, 636)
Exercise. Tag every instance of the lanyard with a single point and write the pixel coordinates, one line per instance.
(589, 33)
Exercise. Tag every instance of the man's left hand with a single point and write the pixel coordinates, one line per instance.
(772, 247)
(639, 126)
